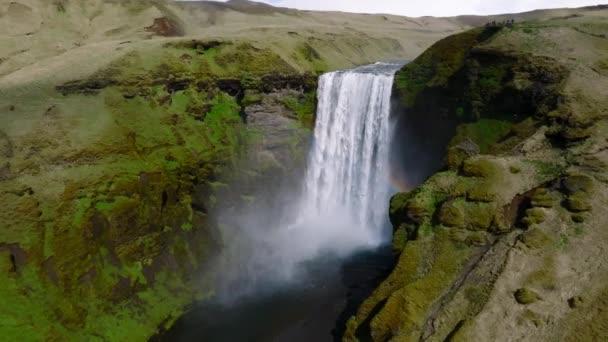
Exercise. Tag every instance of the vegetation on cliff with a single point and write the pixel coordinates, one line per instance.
(522, 136)
(110, 191)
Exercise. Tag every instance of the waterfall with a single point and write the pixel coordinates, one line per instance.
(342, 207)
(346, 187)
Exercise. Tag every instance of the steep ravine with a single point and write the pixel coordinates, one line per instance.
(503, 243)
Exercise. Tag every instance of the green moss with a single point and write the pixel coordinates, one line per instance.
(304, 107)
(546, 171)
(537, 239)
(116, 204)
(485, 133)
(436, 65)
(480, 167)
(109, 232)
(459, 152)
(480, 190)
(187, 227)
(578, 218)
(82, 207)
(251, 98)
(479, 216)
(224, 128)
(564, 241)
(544, 198)
(405, 310)
(534, 216)
(452, 215)
(526, 296)
(400, 238)
(579, 202)
(478, 238)
(577, 182)
(397, 209)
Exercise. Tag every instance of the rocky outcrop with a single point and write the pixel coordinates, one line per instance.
(491, 244)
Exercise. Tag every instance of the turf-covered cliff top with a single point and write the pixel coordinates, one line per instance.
(88, 34)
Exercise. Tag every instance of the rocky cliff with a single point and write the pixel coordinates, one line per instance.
(504, 242)
(109, 182)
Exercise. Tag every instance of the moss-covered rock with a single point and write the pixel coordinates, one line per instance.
(544, 198)
(577, 182)
(578, 218)
(534, 216)
(459, 153)
(579, 202)
(451, 215)
(479, 216)
(526, 296)
(398, 208)
(536, 238)
(481, 167)
(481, 191)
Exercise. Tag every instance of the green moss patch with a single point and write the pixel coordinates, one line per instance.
(526, 296)
(485, 133)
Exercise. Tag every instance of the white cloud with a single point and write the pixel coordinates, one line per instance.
(434, 7)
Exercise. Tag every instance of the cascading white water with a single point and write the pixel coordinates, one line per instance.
(346, 189)
(342, 208)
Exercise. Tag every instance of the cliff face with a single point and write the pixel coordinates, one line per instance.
(503, 242)
(109, 183)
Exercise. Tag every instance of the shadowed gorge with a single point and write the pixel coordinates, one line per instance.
(229, 171)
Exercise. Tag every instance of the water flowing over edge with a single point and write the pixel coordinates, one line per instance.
(346, 187)
(343, 204)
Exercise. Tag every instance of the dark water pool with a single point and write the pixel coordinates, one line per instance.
(314, 310)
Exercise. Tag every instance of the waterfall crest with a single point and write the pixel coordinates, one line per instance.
(346, 187)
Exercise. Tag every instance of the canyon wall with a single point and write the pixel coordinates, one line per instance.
(504, 241)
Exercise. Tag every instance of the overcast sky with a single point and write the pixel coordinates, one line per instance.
(414, 8)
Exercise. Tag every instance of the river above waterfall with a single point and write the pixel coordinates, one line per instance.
(298, 273)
